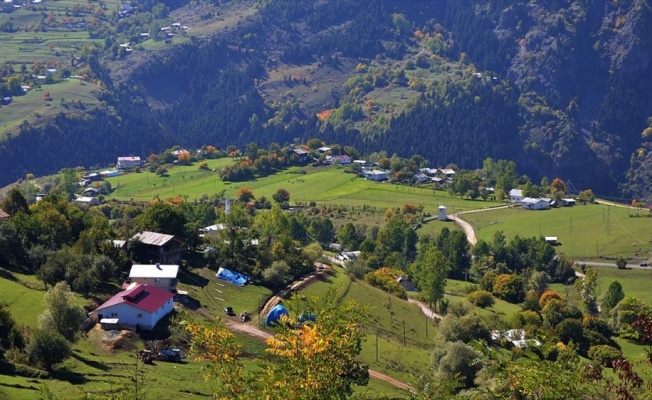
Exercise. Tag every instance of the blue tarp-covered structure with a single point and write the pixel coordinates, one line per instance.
(275, 314)
(235, 278)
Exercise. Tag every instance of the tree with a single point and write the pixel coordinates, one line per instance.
(14, 202)
(621, 263)
(456, 359)
(164, 218)
(62, 315)
(481, 298)
(429, 272)
(558, 185)
(509, 288)
(586, 196)
(586, 288)
(47, 348)
(465, 328)
(69, 181)
(244, 194)
(10, 336)
(277, 275)
(312, 360)
(348, 237)
(281, 196)
(612, 296)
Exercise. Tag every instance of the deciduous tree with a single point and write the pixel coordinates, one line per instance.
(62, 314)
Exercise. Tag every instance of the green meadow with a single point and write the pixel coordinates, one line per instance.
(590, 232)
(323, 185)
(67, 95)
(400, 337)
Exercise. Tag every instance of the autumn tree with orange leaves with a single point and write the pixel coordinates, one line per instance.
(312, 359)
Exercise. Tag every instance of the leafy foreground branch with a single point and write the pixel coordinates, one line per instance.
(313, 359)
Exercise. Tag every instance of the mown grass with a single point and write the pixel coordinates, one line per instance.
(399, 337)
(593, 231)
(635, 282)
(32, 108)
(323, 185)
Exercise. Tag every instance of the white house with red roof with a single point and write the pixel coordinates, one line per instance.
(140, 306)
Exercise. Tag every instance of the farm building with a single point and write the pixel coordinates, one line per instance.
(300, 154)
(139, 306)
(164, 249)
(212, 230)
(111, 173)
(530, 203)
(567, 202)
(128, 162)
(515, 195)
(86, 201)
(376, 175)
(162, 276)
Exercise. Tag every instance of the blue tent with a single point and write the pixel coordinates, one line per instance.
(235, 278)
(275, 314)
(307, 317)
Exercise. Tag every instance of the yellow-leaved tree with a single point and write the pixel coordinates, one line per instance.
(314, 355)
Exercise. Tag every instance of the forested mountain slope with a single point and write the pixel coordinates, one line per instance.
(562, 87)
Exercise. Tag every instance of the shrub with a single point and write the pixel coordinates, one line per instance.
(384, 280)
(605, 355)
(465, 329)
(481, 298)
(509, 288)
(547, 296)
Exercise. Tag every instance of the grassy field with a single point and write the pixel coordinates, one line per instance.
(32, 108)
(586, 232)
(324, 185)
(399, 337)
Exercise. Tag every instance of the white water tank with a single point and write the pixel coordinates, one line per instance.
(441, 213)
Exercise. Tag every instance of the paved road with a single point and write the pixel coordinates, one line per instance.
(604, 264)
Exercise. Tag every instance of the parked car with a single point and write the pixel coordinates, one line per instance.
(229, 311)
(645, 264)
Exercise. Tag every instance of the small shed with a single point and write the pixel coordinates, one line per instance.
(441, 213)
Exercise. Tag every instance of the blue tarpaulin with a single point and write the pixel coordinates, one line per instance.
(275, 314)
(235, 278)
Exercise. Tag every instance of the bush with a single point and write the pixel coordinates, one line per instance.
(385, 281)
(481, 298)
(547, 296)
(465, 329)
(456, 358)
(509, 288)
(48, 348)
(605, 355)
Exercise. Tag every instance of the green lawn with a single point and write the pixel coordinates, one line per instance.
(32, 108)
(23, 301)
(324, 185)
(585, 232)
(635, 282)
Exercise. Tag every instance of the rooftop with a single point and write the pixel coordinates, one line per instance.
(153, 238)
(154, 271)
(144, 297)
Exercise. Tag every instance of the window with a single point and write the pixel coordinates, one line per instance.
(157, 280)
(114, 314)
(139, 315)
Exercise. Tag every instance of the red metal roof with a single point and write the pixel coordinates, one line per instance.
(3, 214)
(145, 297)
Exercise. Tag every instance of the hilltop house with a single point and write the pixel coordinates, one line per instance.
(300, 155)
(162, 248)
(342, 160)
(128, 162)
(162, 276)
(139, 306)
(376, 175)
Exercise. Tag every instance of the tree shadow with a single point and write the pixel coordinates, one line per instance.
(191, 278)
(64, 374)
(91, 363)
